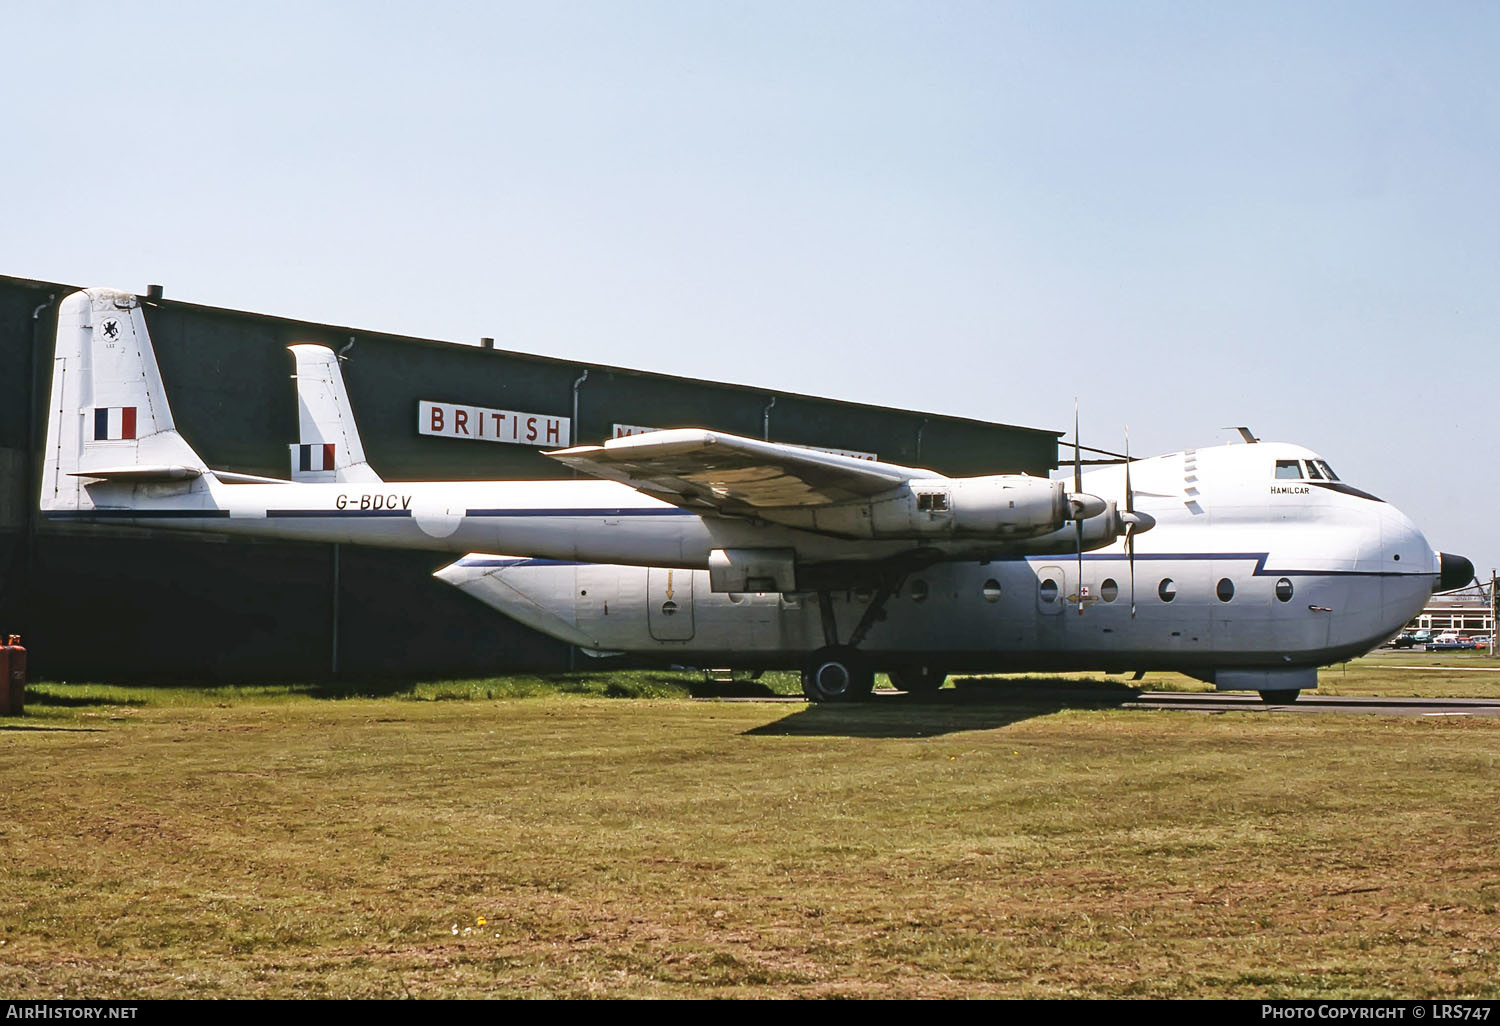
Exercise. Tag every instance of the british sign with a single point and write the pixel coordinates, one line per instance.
(480, 424)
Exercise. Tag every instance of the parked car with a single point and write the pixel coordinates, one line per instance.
(1411, 639)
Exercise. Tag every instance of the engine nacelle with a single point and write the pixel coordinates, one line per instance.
(1002, 507)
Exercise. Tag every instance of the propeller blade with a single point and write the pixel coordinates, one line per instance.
(1078, 489)
(1078, 535)
(1130, 523)
(1077, 455)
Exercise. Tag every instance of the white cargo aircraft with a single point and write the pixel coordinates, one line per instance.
(755, 515)
(1263, 566)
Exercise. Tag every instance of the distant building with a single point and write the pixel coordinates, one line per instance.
(1470, 611)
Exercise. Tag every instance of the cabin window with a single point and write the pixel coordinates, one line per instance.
(1284, 590)
(1049, 590)
(932, 502)
(1166, 590)
(991, 590)
(1289, 470)
(1109, 590)
(1225, 590)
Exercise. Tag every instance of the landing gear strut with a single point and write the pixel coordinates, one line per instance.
(839, 673)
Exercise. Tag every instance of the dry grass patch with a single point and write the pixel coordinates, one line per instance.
(563, 847)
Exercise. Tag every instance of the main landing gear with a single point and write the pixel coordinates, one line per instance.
(917, 680)
(837, 673)
(841, 673)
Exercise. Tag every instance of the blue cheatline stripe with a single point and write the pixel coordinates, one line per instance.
(285, 513)
(671, 511)
(1260, 558)
(137, 514)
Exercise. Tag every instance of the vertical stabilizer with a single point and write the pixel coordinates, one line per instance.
(328, 446)
(108, 417)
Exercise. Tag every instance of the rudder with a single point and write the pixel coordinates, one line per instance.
(108, 415)
(328, 446)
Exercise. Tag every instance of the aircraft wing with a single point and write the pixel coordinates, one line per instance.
(709, 470)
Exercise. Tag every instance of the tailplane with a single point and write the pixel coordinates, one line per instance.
(328, 446)
(108, 421)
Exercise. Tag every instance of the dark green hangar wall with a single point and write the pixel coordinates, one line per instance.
(123, 603)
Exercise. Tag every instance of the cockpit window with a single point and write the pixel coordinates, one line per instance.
(1318, 474)
(1304, 470)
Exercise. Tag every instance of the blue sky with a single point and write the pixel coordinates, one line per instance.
(1189, 215)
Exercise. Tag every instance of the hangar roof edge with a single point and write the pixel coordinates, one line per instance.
(517, 354)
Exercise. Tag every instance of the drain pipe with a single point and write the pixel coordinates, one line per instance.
(33, 481)
(573, 440)
(573, 424)
(765, 420)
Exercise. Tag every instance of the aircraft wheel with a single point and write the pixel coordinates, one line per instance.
(1279, 697)
(917, 680)
(837, 674)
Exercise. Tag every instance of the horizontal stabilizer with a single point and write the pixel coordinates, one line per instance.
(140, 474)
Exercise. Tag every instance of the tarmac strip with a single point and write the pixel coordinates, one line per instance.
(1181, 701)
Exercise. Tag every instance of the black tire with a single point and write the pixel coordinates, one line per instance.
(1279, 697)
(837, 674)
(917, 680)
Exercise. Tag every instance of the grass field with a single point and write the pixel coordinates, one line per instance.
(531, 837)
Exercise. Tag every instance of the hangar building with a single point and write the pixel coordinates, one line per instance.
(121, 603)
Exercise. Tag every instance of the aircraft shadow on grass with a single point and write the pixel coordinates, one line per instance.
(969, 705)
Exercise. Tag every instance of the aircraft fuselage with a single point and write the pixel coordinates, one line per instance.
(1247, 579)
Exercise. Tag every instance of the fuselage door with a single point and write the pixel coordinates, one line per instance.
(1051, 589)
(669, 603)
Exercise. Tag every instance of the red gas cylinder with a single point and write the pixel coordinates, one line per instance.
(13, 667)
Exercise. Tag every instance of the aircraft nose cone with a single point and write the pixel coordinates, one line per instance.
(1456, 571)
